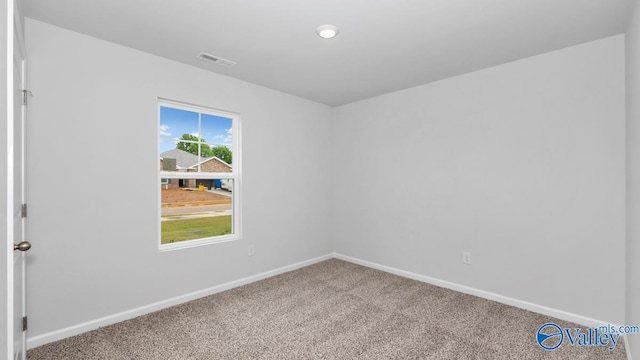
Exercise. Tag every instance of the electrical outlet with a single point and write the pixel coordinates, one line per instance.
(250, 251)
(466, 257)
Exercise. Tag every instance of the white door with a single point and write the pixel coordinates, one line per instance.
(18, 184)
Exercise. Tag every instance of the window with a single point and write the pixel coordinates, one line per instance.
(198, 175)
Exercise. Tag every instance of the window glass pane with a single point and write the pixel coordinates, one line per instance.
(174, 159)
(185, 151)
(215, 162)
(217, 135)
(198, 212)
(178, 124)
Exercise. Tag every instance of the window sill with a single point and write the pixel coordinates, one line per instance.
(196, 243)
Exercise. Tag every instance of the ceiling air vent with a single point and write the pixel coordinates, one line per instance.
(217, 60)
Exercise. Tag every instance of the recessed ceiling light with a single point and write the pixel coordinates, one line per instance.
(327, 31)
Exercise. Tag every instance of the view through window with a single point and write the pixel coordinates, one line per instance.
(197, 175)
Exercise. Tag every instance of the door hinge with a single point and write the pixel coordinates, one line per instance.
(25, 93)
(23, 211)
(24, 323)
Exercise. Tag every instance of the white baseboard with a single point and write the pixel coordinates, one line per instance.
(540, 309)
(46, 338)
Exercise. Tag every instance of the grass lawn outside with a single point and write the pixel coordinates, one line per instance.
(190, 229)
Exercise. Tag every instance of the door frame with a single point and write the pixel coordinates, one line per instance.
(6, 347)
(13, 28)
(22, 109)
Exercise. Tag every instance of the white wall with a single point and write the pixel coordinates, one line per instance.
(522, 164)
(92, 179)
(633, 175)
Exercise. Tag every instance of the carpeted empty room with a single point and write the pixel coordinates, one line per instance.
(330, 310)
(339, 179)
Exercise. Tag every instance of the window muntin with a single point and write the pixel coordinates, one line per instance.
(198, 176)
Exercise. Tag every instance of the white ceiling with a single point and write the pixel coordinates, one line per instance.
(383, 45)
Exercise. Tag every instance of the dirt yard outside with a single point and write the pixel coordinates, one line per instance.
(191, 197)
(189, 214)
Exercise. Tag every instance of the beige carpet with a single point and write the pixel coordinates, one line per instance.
(331, 310)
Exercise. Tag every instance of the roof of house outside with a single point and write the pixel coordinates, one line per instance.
(216, 159)
(186, 160)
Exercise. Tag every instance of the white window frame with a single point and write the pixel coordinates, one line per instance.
(236, 194)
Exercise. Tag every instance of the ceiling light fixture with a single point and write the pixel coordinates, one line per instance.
(327, 31)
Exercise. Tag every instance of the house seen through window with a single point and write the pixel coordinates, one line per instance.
(198, 175)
